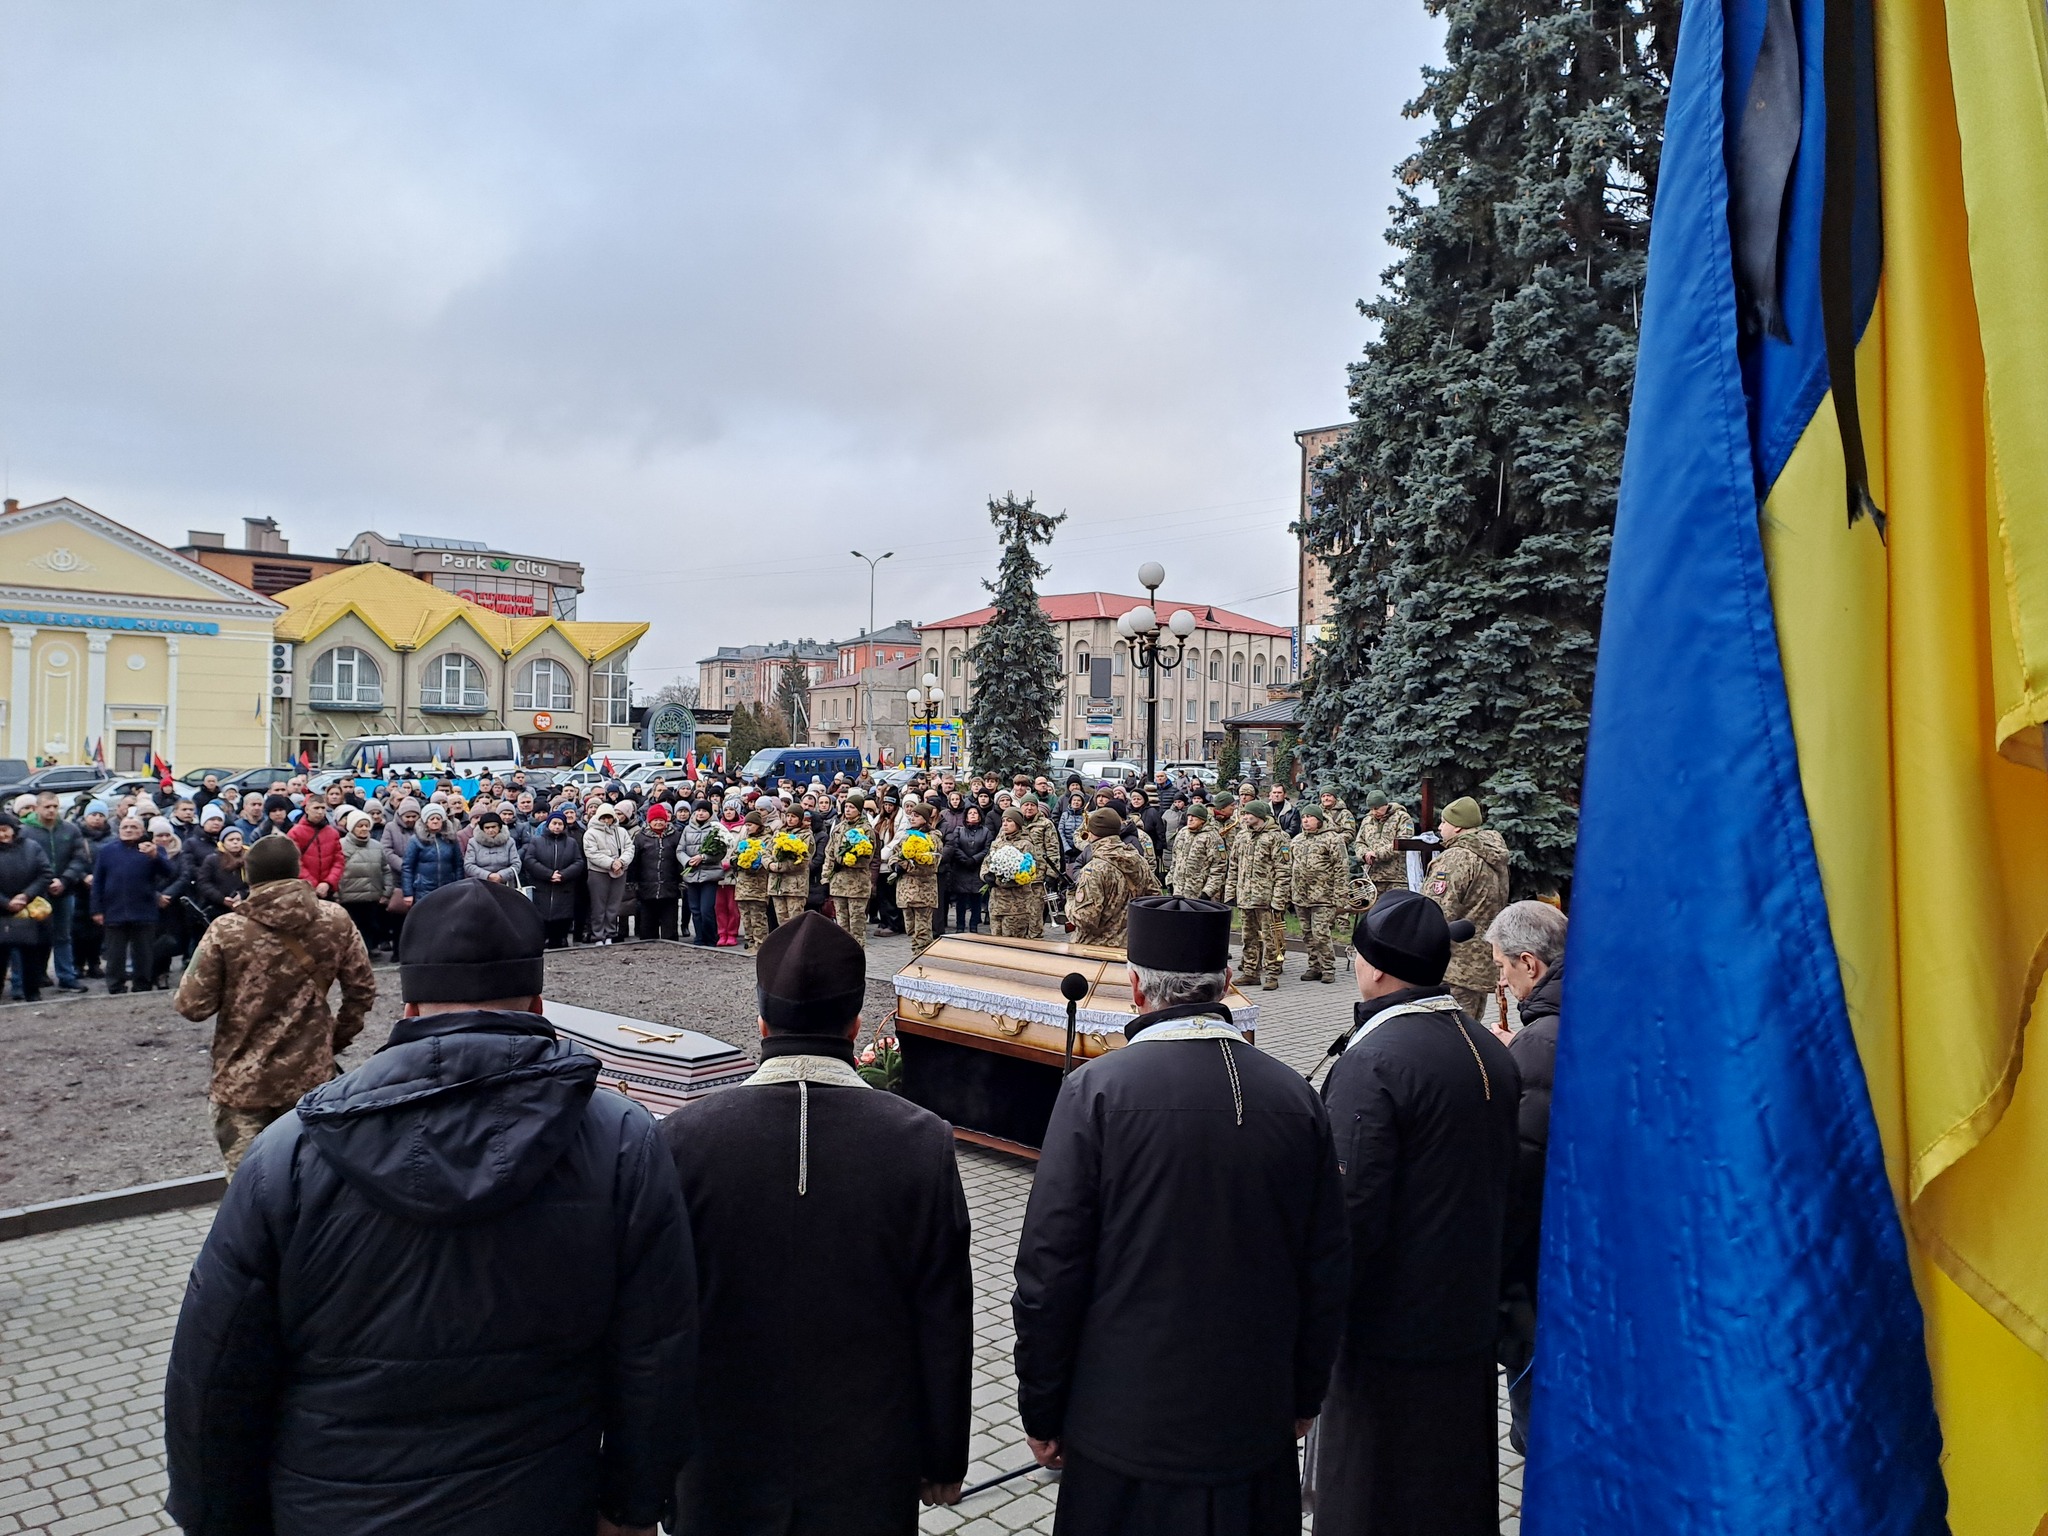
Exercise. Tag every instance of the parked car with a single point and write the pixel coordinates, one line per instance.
(1189, 772)
(1111, 771)
(65, 780)
(258, 780)
(197, 776)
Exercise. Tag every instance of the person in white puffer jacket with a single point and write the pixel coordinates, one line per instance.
(608, 852)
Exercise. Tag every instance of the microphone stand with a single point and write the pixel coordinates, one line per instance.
(1073, 987)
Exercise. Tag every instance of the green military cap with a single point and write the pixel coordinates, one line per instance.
(1314, 813)
(1375, 800)
(1224, 801)
(1026, 798)
(1327, 789)
(1464, 812)
(1259, 808)
(1198, 812)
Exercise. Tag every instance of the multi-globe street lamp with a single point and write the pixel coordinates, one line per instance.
(1149, 650)
(868, 689)
(924, 707)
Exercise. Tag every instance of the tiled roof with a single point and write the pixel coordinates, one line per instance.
(405, 613)
(1066, 607)
(1278, 714)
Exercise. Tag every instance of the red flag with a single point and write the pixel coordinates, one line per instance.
(305, 761)
(159, 767)
(607, 766)
(689, 765)
(99, 753)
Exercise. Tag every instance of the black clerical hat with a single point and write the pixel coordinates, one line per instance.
(1405, 935)
(1178, 933)
(471, 942)
(811, 976)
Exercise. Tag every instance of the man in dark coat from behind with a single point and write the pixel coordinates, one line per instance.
(452, 1291)
(1181, 1272)
(1423, 1103)
(832, 1261)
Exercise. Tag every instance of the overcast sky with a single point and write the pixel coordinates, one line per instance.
(701, 295)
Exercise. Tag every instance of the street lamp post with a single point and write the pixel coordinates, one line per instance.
(924, 708)
(868, 689)
(1148, 649)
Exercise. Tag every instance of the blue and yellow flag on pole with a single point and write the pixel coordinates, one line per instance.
(1795, 1268)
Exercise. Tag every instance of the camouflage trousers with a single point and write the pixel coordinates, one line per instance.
(235, 1128)
(917, 921)
(851, 913)
(1315, 930)
(753, 924)
(1016, 912)
(1472, 1000)
(1265, 945)
(788, 907)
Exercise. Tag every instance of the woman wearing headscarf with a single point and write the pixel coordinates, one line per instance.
(554, 869)
(221, 883)
(954, 816)
(607, 855)
(434, 859)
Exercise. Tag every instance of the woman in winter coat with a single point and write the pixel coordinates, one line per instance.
(435, 858)
(220, 884)
(24, 876)
(954, 816)
(607, 855)
(656, 874)
(732, 823)
(960, 858)
(493, 853)
(701, 853)
(366, 883)
(554, 868)
(1072, 814)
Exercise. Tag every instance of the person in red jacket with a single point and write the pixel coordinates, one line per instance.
(320, 857)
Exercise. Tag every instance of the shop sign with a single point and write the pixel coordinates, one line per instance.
(543, 721)
(517, 604)
(497, 564)
(107, 621)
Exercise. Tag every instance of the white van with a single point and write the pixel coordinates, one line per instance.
(465, 754)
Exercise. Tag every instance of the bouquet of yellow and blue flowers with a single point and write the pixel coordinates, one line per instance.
(918, 848)
(856, 845)
(1012, 865)
(789, 846)
(748, 851)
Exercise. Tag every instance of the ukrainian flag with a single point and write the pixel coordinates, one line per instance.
(1795, 1269)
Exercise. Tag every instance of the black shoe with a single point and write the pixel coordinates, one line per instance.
(70, 986)
(113, 991)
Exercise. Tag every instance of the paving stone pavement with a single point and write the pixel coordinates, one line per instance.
(86, 1319)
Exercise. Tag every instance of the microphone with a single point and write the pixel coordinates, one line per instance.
(1073, 987)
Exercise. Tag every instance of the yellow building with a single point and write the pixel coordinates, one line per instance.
(377, 652)
(123, 647)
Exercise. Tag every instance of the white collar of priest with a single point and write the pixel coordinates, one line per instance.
(819, 1071)
(1189, 1021)
(1438, 1002)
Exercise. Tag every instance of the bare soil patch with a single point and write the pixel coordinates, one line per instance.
(101, 1092)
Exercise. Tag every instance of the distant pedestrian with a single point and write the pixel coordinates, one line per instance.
(554, 868)
(1469, 880)
(1115, 873)
(452, 1291)
(64, 844)
(1318, 882)
(657, 877)
(607, 855)
(24, 907)
(129, 881)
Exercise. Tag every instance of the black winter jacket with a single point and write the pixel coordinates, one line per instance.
(656, 874)
(24, 871)
(960, 857)
(453, 1291)
(545, 857)
(1535, 1051)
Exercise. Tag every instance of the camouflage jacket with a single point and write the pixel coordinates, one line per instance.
(1319, 869)
(1044, 838)
(1257, 874)
(1010, 899)
(1199, 863)
(265, 970)
(917, 885)
(1378, 858)
(856, 880)
(1336, 818)
(756, 883)
(1114, 873)
(1469, 879)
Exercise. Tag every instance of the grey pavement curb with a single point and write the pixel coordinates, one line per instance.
(111, 1205)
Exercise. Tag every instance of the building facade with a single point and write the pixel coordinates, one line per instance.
(1230, 663)
(1312, 585)
(123, 650)
(750, 674)
(376, 651)
(518, 586)
(265, 562)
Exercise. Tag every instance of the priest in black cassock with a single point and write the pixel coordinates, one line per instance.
(836, 1301)
(1424, 1104)
(1181, 1272)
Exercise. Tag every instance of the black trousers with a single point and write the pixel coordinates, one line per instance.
(556, 931)
(1409, 1448)
(1096, 1501)
(33, 958)
(966, 914)
(131, 955)
(371, 920)
(656, 918)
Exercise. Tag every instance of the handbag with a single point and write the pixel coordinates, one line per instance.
(398, 901)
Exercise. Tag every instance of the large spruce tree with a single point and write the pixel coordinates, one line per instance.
(1466, 516)
(1016, 659)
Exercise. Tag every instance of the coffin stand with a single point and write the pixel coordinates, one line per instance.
(656, 1066)
(983, 1030)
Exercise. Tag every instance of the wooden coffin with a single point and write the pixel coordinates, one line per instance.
(983, 1028)
(654, 1065)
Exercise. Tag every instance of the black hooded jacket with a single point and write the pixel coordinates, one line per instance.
(1535, 1051)
(452, 1292)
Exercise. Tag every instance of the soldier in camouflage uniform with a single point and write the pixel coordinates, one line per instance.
(1469, 879)
(751, 886)
(1015, 911)
(1319, 880)
(789, 878)
(1113, 873)
(851, 885)
(264, 970)
(1199, 859)
(1378, 859)
(917, 885)
(1045, 844)
(1256, 883)
(1336, 817)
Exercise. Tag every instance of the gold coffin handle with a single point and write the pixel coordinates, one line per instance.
(1005, 1025)
(924, 1007)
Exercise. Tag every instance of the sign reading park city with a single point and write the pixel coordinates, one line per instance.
(497, 565)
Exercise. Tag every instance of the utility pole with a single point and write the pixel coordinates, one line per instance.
(867, 687)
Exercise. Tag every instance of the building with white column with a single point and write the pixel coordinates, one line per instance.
(124, 649)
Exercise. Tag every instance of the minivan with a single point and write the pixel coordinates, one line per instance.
(800, 764)
(463, 754)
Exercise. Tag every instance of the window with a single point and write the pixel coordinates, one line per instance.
(611, 700)
(1116, 661)
(1215, 666)
(453, 683)
(955, 662)
(1193, 665)
(1279, 669)
(131, 751)
(1215, 710)
(346, 678)
(1258, 669)
(1191, 711)
(1080, 661)
(543, 684)
(931, 661)
(1237, 667)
